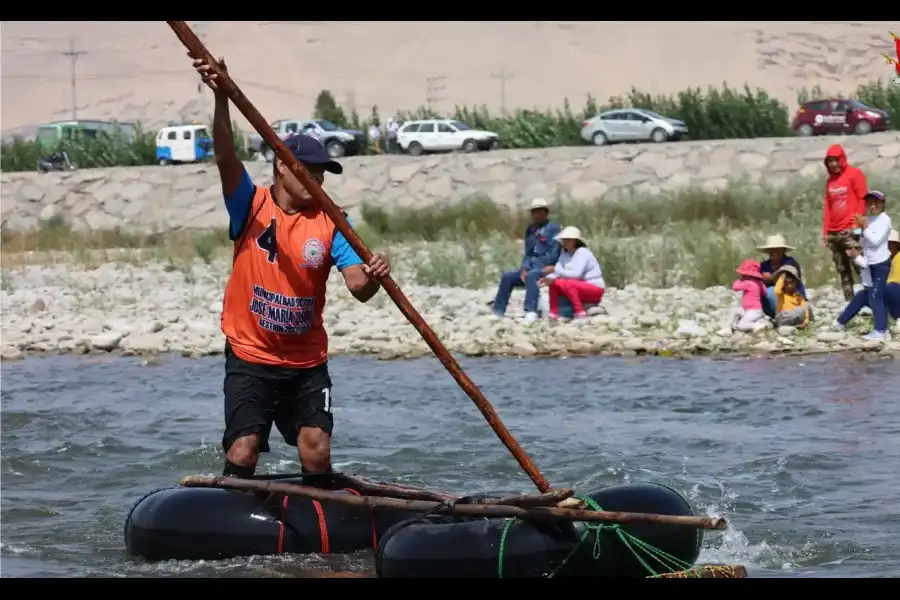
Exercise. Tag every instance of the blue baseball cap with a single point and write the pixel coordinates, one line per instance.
(309, 151)
(874, 195)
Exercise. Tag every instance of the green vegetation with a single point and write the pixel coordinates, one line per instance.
(104, 150)
(692, 237)
(711, 114)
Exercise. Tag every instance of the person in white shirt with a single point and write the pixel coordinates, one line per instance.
(861, 298)
(576, 275)
(375, 137)
(391, 143)
(876, 225)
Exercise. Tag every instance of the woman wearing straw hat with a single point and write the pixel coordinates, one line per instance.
(577, 275)
(777, 247)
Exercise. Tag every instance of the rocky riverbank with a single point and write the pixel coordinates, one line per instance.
(153, 308)
(169, 198)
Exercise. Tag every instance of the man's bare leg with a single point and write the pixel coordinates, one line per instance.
(242, 456)
(314, 450)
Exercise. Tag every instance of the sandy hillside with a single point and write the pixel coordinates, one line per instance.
(138, 71)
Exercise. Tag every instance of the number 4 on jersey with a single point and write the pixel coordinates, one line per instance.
(266, 242)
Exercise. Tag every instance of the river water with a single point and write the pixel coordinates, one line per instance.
(800, 454)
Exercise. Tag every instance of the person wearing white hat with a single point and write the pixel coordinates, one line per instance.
(541, 250)
(577, 275)
(777, 247)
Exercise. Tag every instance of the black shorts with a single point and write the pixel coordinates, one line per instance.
(258, 395)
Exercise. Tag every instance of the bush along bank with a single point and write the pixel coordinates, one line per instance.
(717, 113)
(691, 237)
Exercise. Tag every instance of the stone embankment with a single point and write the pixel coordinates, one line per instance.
(165, 198)
(66, 309)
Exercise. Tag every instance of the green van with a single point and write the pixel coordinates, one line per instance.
(50, 134)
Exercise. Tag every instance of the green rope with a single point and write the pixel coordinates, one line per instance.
(636, 545)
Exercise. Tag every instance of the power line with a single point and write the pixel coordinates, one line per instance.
(95, 76)
(433, 86)
(503, 76)
(73, 58)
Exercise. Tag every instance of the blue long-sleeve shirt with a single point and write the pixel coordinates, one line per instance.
(541, 250)
(238, 205)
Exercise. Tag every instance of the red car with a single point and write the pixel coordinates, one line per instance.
(839, 115)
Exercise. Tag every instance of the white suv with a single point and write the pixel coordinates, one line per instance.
(443, 135)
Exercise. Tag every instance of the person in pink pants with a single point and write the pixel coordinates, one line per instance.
(576, 275)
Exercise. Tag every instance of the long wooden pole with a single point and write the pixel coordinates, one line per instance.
(478, 510)
(199, 50)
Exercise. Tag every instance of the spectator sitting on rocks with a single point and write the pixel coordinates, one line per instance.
(776, 247)
(861, 298)
(541, 250)
(749, 317)
(576, 275)
(892, 297)
(792, 309)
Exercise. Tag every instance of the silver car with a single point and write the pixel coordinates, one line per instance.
(632, 125)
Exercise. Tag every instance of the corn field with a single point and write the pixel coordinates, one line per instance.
(716, 113)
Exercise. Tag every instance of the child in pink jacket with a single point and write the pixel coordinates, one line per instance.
(750, 316)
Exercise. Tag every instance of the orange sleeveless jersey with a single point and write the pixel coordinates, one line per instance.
(274, 299)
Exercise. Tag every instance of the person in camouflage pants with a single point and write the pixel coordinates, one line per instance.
(844, 201)
(839, 242)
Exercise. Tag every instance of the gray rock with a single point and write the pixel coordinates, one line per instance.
(831, 336)
(690, 329)
(10, 353)
(106, 341)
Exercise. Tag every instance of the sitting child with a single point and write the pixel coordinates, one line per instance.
(750, 316)
(792, 309)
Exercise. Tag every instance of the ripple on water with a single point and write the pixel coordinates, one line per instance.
(799, 455)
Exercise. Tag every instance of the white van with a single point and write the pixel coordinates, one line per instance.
(182, 144)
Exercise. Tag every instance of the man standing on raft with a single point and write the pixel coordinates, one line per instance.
(276, 353)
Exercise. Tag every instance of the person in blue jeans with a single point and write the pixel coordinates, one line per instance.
(541, 250)
(876, 226)
(777, 247)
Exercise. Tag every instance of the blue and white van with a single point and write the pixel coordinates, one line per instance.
(182, 144)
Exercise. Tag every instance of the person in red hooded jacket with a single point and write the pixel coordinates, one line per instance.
(845, 191)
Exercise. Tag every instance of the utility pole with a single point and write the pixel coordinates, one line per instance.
(73, 58)
(200, 85)
(503, 76)
(433, 86)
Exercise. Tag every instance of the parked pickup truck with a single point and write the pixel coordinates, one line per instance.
(338, 142)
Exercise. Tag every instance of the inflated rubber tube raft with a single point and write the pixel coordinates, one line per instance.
(208, 524)
(441, 546)
(194, 523)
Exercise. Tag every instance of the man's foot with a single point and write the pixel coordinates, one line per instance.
(496, 317)
(530, 317)
(836, 326)
(865, 311)
(875, 336)
(581, 315)
(553, 317)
